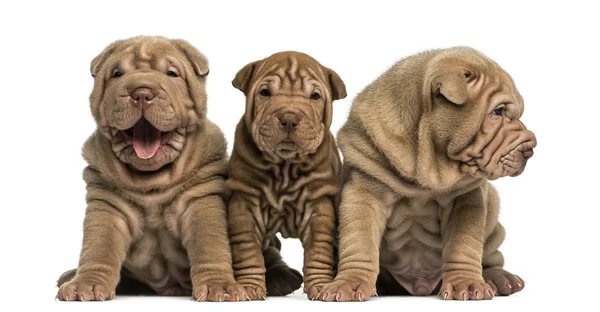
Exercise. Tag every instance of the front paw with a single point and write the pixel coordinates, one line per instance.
(346, 290)
(466, 289)
(255, 292)
(219, 292)
(84, 288)
(503, 282)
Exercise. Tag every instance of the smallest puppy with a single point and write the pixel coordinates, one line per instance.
(284, 172)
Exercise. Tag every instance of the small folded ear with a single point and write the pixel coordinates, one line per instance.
(338, 88)
(196, 59)
(101, 58)
(243, 77)
(452, 86)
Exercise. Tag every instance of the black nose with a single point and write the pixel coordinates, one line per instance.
(142, 95)
(289, 121)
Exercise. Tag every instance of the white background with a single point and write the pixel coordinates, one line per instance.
(550, 212)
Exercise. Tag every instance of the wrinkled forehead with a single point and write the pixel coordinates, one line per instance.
(498, 88)
(290, 72)
(146, 55)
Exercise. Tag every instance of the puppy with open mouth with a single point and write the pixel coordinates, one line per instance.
(284, 172)
(156, 214)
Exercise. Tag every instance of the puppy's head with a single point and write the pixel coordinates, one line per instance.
(289, 99)
(148, 93)
(476, 109)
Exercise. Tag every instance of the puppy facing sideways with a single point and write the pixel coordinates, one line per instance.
(156, 216)
(419, 146)
(284, 172)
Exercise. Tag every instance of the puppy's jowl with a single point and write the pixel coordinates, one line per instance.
(284, 172)
(156, 217)
(417, 212)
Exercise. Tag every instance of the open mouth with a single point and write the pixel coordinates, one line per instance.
(146, 138)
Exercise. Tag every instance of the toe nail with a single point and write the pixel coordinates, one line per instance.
(508, 285)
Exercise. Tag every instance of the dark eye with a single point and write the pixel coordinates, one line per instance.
(315, 96)
(498, 111)
(172, 74)
(265, 92)
(117, 74)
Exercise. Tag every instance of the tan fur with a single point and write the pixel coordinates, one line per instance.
(284, 178)
(161, 220)
(419, 146)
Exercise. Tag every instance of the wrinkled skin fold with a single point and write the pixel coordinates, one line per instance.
(500, 149)
(284, 173)
(417, 213)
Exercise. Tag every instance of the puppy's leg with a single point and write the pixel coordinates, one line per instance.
(204, 234)
(317, 240)
(106, 239)
(502, 282)
(246, 246)
(281, 280)
(362, 220)
(462, 253)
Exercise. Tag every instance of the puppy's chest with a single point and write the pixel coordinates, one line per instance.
(157, 242)
(285, 204)
(413, 220)
(157, 211)
(411, 248)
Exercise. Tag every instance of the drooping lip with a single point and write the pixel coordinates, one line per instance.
(287, 144)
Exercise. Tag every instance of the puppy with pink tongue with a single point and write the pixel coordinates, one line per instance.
(156, 218)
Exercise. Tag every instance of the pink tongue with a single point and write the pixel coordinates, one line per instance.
(146, 139)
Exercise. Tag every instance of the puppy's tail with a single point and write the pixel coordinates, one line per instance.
(127, 284)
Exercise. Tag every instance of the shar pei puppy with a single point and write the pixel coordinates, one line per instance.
(284, 173)
(417, 210)
(156, 214)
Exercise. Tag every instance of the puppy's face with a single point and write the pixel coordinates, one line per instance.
(476, 114)
(289, 99)
(148, 93)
